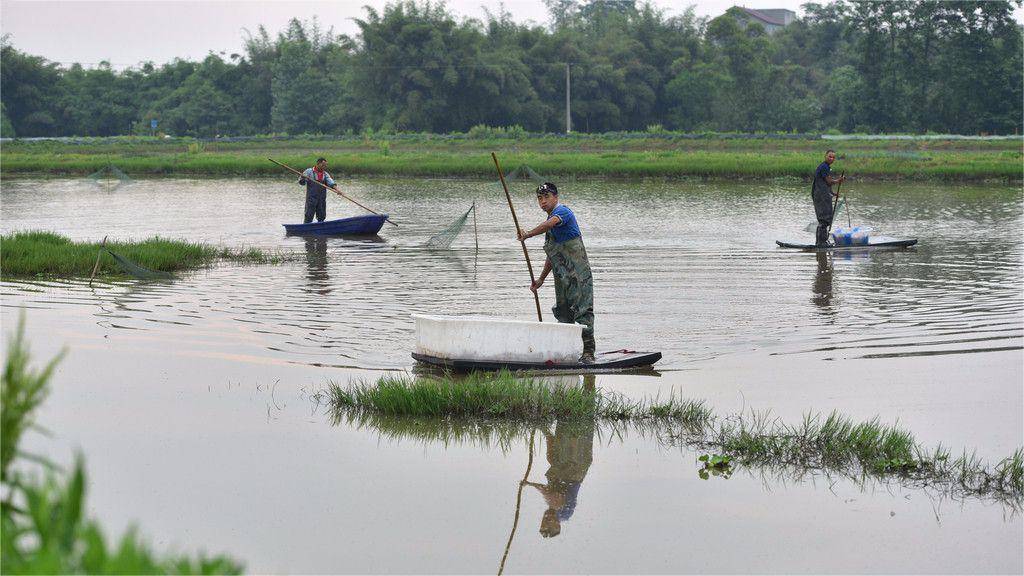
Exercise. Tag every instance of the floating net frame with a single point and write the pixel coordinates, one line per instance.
(109, 177)
(443, 240)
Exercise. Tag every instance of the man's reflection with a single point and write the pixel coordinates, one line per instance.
(570, 451)
(822, 289)
(316, 265)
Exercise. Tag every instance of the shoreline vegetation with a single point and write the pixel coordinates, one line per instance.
(829, 444)
(46, 529)
(39, 253)
(612, 155)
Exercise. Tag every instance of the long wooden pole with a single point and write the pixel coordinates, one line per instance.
(333, 189)
(836, 203)
(519, 502)
(97, 265)
(526, 254)
(476, 233)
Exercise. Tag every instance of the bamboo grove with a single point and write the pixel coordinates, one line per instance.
(889, 66)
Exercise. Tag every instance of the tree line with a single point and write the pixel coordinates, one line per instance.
(850, 66)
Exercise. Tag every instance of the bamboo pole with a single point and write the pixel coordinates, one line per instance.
(333, 189)
(476, 233)
(519, 502)
(97, 265)
(836, 203)
(526, 254)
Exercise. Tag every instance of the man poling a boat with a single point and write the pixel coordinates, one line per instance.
(821, 194)
(567, 258)
(316, 195)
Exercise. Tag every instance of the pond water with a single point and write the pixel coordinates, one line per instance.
(192, 400)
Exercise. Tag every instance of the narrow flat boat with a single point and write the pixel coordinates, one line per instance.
(873, 242)
(603, 361)
(355, 226)
(466, 343)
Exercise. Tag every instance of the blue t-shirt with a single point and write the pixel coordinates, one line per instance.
(823, 171)
(567, 229)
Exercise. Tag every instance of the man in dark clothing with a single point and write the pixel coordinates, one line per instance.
(567, 258)
(821, 194)
(316, 195)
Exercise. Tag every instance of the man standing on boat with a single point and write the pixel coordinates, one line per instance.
(821, 194)
(316, 195)
(567, 257)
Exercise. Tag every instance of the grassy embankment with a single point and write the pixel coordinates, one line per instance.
(612, 155)
(832, 443)
(45, 527)
(49, 254)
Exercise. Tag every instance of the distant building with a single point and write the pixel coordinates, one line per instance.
(771, 19)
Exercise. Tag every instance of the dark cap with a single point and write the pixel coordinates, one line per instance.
(547, 188)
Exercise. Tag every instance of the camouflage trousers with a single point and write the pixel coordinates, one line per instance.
(574, 286)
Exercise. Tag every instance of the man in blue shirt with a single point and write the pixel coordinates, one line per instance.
(821, 194)
(567, 257)
(316, 195)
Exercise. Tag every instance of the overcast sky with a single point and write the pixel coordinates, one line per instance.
(126, 33)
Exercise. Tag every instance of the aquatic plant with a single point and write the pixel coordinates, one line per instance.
(42, 515)
(715, 465)
(468, 406)
(32, 253)
(502, 395)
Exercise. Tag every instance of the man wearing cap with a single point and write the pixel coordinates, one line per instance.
(821, 195)
(316, 194)
(567, 257)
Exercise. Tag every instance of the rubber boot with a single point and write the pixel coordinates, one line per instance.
(821, 234)
(589, 346)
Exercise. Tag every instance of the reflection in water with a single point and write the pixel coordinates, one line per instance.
(822, 288)
(316, 265)
(570, 452)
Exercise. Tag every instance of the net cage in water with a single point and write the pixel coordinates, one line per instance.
(443, 240)
(109, 177)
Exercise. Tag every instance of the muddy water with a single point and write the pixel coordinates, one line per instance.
(191, 399)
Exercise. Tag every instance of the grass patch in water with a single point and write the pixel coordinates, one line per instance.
(835, 443)
(832, 443)
(38, 253)
(503, 395)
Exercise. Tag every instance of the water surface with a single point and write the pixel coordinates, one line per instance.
(191, 399)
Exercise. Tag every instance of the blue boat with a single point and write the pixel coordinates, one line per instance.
(358, 225)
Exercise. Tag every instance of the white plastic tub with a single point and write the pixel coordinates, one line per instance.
(484, 338)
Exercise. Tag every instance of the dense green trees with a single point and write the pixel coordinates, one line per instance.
(863, 65)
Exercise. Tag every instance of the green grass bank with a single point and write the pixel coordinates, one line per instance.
(831, 443)
(613, 156)
(49, 254)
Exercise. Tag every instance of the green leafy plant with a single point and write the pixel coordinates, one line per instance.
(44, 527)
(715, 465)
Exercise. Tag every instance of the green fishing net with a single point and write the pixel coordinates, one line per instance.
(140, 272)
(109, 177)
(443, 239)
